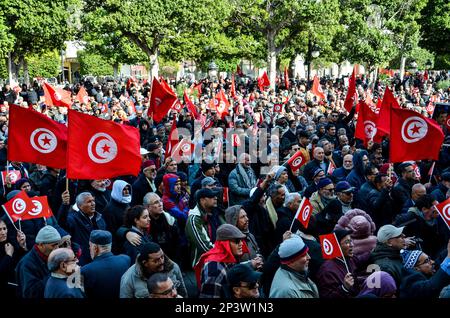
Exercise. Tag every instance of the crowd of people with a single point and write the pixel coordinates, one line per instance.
(230, 224)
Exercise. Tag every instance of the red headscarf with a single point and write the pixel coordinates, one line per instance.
(221, 253)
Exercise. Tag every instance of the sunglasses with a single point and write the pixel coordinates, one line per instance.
(236, 241)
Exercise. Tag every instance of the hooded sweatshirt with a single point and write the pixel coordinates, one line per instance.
(172, 201)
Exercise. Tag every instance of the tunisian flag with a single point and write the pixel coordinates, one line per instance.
(190, 106)
(20, 207)
(99, 149)
(263, 81)
(414, 137)
(161, 100)
(173, 138)
(221, 104)
(82, 95)
(444, 211)
(296, 161)
(57, 96)
(304, 212)
(366, 127)
(35, 138)
(384, 121)
(14, 175)
(352, 95)
(317, 89)
(330, 246)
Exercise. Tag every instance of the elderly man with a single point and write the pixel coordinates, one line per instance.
(32, 272)
(151, 260)
(341, 173)
(323, 196)
(319, 161)
(202, 223)
(81, 221)
(291, 279)
(63, 282)
(418, 190)
(286, 215)
(241, 180)
(145, 182)
(277, 195)
(390, 241)
(102, 276)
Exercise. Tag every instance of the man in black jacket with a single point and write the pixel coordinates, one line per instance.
(402, 189)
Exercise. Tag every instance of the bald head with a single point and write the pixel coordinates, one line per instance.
(418, 190)
(318, 153)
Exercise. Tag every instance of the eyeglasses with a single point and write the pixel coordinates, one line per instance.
(252, 285)
(155, 202)
(170, 290)
(331, 190)
(236, 241)
(426, 261)
(75, 260)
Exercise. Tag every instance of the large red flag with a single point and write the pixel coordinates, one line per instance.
(330, 246)
(304, 212)
(444, 210)
(82, 95)
(384, 120)
(366, 126)
(173, 138)
(198, 88)
(35, 138)
(263, 81)
(317, 88)
(286, 78)
(99, 149)
(414, 137)
(161, 100)
(57, 96)
(296, 161)
(17, 208)
(352, 95)
(221, 104)
(190, 106)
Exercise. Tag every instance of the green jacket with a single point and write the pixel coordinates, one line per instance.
(197, 233)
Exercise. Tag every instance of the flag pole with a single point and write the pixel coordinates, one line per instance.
(343, 257)
(67, 182)
(45, 220)
(9, 217)
(296, 214)
(20, 225)
(431, 171)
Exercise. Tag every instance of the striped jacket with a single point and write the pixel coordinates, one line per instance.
(198, 233)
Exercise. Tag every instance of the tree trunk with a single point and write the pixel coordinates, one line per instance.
(154, 66)
(116, 70)
(402, 67)
(271, 58)
(26, 75)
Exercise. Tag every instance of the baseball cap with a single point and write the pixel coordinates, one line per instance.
(387, 232)
(344, 186)
(242, 273)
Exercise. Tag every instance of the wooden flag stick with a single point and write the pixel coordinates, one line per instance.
(343, 257)
(67, 182)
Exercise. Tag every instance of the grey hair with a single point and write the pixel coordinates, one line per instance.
(242, 156)
(321, 141)
(81, 198)
(57, 257)
(148, 197)
(273, 190)
(290, 197)
(154, 280)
